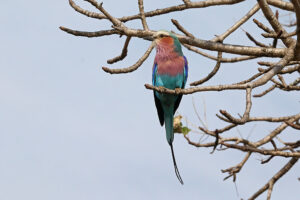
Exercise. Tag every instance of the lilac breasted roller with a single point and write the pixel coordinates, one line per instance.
(170, 70)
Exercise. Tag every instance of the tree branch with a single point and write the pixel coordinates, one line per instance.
(274, 179)
(133, 67)
(123, 54)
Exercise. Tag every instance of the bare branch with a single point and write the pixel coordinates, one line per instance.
(188, 5)
(274, 179)
(279, 35)
(85, 12)
(262, 26)
(142, 13)
(251, 78)
(295, 126)
(275, 41)
(232, 171)
(254, 40)
(234, 49)
(89, 34)
(200, 4)
(183, 30)
(265, 92)
(281, 4)
(211, 74)
(270, 136)
(274, 119)
(213, 133)
(246, 148)
(297, 11)
(123, 54)
(220, 38)
(274, 22)
(245, 117)
(133, 67)
(271, 64)
(113, 20)
(267, 160)
(222, 60)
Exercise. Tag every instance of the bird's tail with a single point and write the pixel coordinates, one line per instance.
(170, 138)
(175, 165)
(169, 127)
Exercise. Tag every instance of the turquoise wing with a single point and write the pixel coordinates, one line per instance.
(158, 105)
(185, 74)
(186, 70)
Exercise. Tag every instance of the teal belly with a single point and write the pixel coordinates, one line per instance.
(170, 82)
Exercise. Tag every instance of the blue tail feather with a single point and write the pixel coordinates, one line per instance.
(169, 126)
(168, 115)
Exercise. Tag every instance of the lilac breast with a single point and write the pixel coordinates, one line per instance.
(171, 67)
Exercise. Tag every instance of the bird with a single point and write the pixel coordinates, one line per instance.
(170, 70)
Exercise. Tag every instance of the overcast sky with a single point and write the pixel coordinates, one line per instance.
(68, 130)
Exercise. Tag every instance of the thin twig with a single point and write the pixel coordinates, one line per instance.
(265, 92)
(211, 74)
(133, 67)
(274, 179)
(183, 30)
(123, 54)
(222, 60)
(221, 38)
(254, 40)
(142, 13)
(232, 171)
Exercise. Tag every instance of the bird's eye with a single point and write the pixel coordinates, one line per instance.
(160, 35)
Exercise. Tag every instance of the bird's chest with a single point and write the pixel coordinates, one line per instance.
(171, 67)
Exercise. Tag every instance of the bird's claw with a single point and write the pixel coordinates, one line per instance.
(177, 90)
(161, 88)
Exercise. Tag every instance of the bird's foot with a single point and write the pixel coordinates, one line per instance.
(177, 90)
(161, 88)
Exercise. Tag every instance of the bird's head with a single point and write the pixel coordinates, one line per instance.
(165, 39)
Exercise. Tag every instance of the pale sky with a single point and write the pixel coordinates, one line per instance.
(71, 131)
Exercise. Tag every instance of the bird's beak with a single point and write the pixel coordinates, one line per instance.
(150, 38)
(156, 39)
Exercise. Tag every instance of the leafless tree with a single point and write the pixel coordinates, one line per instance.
(269, 145)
